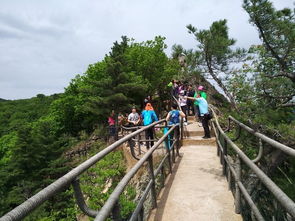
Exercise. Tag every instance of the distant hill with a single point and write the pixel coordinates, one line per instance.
(2, 100)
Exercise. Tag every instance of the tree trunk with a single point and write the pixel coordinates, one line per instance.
(220, 84)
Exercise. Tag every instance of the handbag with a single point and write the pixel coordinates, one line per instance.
(209, 116)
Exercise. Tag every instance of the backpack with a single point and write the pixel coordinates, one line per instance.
(174, 117)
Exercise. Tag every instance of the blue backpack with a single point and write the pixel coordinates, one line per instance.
(174, 117)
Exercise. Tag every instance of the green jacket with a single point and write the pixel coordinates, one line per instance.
(202, 94)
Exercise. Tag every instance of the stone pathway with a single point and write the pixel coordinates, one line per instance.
(196, 191)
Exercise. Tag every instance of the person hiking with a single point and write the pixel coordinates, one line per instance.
(190, 103)
(200, 92)
(204, 114)
(112, 125)
(149, 116)
(173, 118)
(133, 118)
(183, 104)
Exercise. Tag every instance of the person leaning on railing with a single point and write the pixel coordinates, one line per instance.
(204, 114)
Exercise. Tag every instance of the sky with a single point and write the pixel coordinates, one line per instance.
(45, 44)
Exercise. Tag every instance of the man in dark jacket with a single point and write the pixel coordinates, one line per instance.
(190, 103)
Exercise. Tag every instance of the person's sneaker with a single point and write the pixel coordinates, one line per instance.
(205, 137)
(185, 123)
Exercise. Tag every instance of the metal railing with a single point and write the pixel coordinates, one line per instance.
(233, 170)
(111, 208)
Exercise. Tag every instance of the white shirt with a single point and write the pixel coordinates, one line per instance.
(182, 100)
(133, 117)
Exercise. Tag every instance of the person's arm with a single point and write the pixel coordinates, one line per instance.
(155, 116)
(137, 122)
(192, 98)
(168, 117)
(129, 119)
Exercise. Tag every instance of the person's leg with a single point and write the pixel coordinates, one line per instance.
(147, 138)
(183, 109)
(205, 124)
(152, 136)
(193, 109)
(176, 134)
(197, 112)
(185, 112)
(189, 108)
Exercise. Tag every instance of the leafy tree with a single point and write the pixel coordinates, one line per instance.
(34, 133)
(275, 60)
(216, 54)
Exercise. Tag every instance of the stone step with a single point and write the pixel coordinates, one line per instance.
(191, 118)
(198, 140)
(194, 133)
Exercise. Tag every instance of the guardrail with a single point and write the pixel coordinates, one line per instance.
(233, 170)
(112, 205)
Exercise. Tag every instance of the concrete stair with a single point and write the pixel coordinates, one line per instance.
(193, 134)
(196, 190)
(198, 140)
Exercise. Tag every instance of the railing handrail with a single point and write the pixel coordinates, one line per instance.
(36, 200)
(288, 150)
(114, 197)
(284, 200)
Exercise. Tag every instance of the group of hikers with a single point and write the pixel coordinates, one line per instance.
(192, 102)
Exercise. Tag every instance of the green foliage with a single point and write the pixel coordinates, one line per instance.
(214, 53)
(118, 82)
(34, 133)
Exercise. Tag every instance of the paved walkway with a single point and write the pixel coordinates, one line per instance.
(196, 191)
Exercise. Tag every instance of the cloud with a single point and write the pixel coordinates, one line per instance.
(44, 44)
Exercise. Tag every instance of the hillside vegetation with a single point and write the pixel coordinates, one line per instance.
(259, 83)
(34, 133)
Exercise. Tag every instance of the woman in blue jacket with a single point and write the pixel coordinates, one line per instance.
(149, 116)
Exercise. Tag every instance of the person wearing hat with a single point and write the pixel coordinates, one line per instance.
(149, 116)
(199, 93)
(204, 114)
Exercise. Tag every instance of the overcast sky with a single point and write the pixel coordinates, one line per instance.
(44, 44)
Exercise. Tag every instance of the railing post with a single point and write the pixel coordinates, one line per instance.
(229, 178)
(169, 155)
(139, 146)
(221, 150)
(181, 129)
(116, 212)
(224, 156)
(238, 192)
(162, 177)
(176, 131)
(141, 215)
(153, 189)
(80, 199)
(173, 153)
(217, 138)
